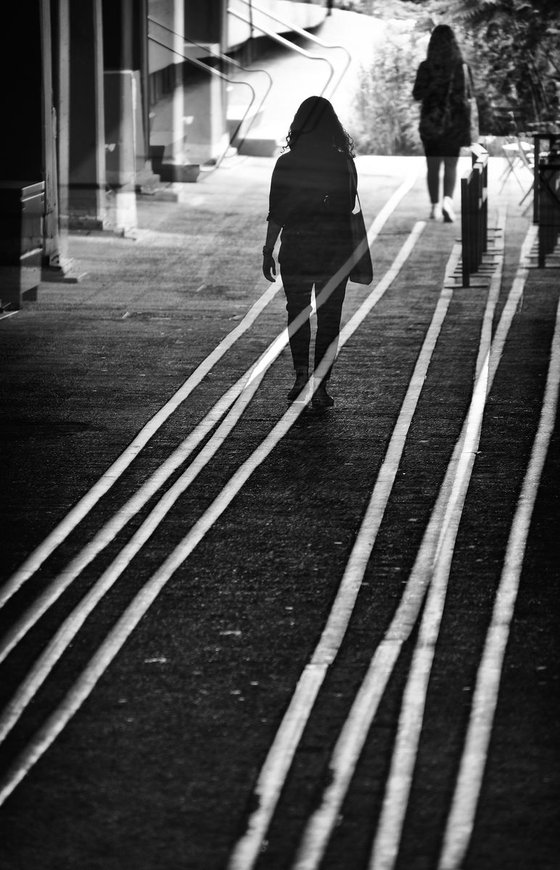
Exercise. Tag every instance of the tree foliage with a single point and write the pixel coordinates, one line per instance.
(514, 48)
(385, 120)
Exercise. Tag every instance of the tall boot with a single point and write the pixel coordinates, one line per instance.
(321, 399)
(302, 376)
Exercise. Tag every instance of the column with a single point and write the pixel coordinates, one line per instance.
(86, 158)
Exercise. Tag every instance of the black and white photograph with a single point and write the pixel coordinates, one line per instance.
(280, 453)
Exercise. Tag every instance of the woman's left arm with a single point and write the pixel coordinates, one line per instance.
(422, 82)
(275, 214)
(269, 266)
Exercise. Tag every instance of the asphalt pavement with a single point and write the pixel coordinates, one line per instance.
(160, 652)
(157, 763)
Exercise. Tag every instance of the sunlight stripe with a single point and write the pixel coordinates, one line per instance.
(109, 477)
(82, 508)
(110, 530)
(280, 756)
(356, 728)
(464, 804)
(143, 600)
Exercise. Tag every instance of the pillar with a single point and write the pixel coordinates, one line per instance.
(205, 103)
(22, 169)
(86, 124)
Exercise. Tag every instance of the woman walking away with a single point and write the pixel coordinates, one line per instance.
(443, 83)
(312, 194)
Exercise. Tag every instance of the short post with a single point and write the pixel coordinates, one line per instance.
(474, 215)
(465, 230)
(549, 205)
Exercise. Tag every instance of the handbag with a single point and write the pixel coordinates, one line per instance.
(361, 271)
(471, 109)
(362, 267)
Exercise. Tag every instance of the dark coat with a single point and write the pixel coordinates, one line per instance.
(312, 194)
(433, 86)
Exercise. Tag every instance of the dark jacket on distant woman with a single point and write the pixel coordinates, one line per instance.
(443, 85)
(439, 81)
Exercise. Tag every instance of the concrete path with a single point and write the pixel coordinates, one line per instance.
(161, 655)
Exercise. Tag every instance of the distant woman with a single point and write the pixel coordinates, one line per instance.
(312, 194)
(443, 85)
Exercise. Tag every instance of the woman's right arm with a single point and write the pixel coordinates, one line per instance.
(422, 83)
(275, 220)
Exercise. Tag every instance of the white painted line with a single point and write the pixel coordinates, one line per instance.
(397, 789)
(387, 840)
(279, 759)
(493, 295)
(106, 481)
(354, 732)
(109, 531)
(7, 314)
(69, 628)
(460, 822)
(142, 601)
(346, 752)
(356, 728)
(82, 508)
(245, 386)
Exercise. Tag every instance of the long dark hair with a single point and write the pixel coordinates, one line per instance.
(443, 49)
(316, 123)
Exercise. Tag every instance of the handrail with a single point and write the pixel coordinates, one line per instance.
(224, 57)
(277, 38)
(220, 75)
(299, 30)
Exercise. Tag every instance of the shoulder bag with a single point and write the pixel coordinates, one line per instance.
(471, 108)
(361, 271)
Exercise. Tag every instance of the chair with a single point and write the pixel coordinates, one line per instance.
(520, 163)
(527, 155)
(519, 156)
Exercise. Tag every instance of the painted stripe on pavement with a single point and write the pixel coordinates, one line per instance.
(101, 487)
(106, 481)
(143, 600)
(464, 804)
(279, 759)
(109, 531)
(356, 728)
(397, 789)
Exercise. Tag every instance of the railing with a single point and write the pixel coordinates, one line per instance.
(548, 184)
(224, 58)
(474, 215)
(211, 71)
(254, 7)
(285, 42)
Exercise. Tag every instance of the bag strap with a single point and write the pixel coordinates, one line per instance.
(450, 86)
(468, 77)
(353, 186)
